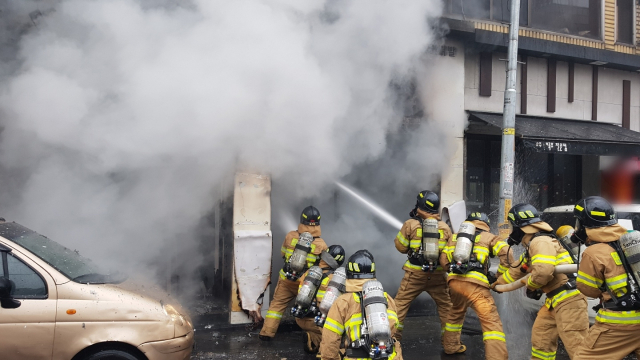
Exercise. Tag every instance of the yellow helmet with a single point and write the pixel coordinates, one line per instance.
(564, 231)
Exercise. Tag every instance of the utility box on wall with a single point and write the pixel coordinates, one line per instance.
(252, 247)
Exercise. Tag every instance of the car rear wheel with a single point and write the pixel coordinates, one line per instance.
(112, 355)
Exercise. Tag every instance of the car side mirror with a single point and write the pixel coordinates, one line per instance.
(6, 300)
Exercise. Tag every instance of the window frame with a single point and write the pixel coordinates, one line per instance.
(634, 22)
(5, 264)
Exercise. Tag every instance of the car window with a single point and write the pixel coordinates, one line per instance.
(27, 283)
(634, 217)
(69, 262)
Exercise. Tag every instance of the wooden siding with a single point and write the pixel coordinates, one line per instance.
(609, 42)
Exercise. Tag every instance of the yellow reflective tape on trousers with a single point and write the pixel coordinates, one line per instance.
(472, 275)
(588, 280)
(493, 335)
(453, 327)
(392, 315)
(560, 297)
(274, 315)
(618, 317)
(402, 239)
(334, 326)
(543, 355)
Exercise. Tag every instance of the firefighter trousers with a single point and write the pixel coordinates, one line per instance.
(570, 321)
(609, 342)
(286, 290)
(314, 331)
(466, 294)
(413, 284)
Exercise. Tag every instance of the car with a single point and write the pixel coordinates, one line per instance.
(557, 216)
(57, 304)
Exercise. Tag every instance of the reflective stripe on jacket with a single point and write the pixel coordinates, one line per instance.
(345, 318)
(410, 238)
(317, 246)
(600, 265)
(485, 244)
(544, 254)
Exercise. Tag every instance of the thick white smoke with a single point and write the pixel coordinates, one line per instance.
(124, 119)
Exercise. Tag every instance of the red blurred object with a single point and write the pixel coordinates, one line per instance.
(619, 180)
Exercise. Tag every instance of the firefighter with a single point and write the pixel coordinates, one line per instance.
(334, 257)
(602, 275)
(564, 312)
(345, 319)
(417, 276)
(287, 287)
(469, 286)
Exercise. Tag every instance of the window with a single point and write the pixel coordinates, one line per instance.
(496, 10)
(572, 17)
(624, 21)
(27, 284)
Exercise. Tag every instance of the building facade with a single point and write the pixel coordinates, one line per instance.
(578, 109)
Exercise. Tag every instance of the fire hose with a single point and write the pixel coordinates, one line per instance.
(560, 269)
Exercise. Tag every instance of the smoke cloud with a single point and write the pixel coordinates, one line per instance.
(123, 120)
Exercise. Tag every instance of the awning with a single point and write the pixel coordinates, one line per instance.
(564, 136)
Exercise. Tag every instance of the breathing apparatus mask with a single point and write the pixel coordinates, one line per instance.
(515, 238)
(580, 234)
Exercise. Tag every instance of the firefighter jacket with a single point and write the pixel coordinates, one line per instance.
(486, 245)
(327, 275)
(542, 255)
(343, 322)
(601, 268)
(317, 247)
(409, 239)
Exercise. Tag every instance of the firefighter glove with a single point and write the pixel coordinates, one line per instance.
(534, 294)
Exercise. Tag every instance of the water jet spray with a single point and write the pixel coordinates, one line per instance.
(380, 212)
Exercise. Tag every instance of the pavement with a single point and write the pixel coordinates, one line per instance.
(216, 339)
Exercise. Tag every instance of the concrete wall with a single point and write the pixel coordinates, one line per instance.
(609, 90)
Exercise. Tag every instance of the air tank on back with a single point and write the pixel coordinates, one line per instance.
(375, 308)
(464, 242)
(298, 260)
(430, 243)
(308, 290)
(630, 243)
(335, 288)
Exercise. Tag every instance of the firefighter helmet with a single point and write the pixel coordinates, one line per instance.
(522, 215)
(361, 265)
(428, 201)
(480, 216)
(337, 252)
(310, 216)
(594, 211)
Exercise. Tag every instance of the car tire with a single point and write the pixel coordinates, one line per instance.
(112, 354)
